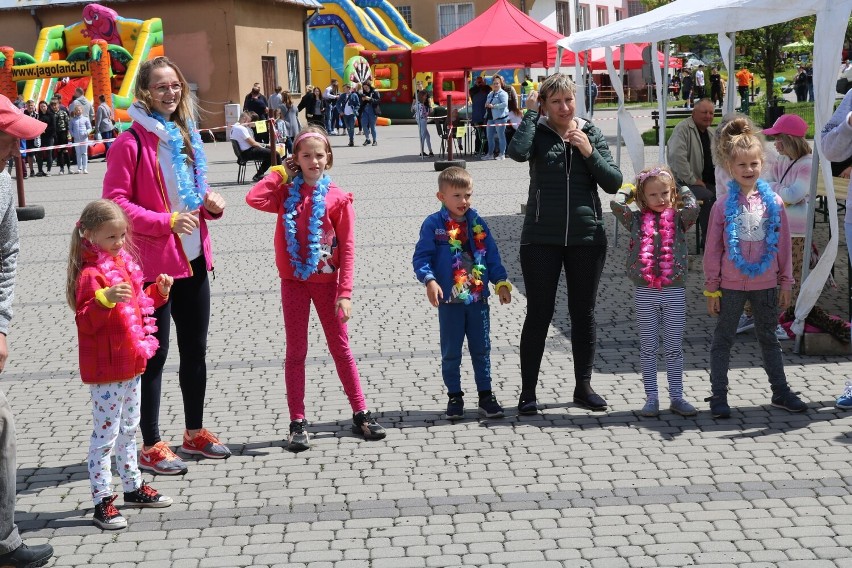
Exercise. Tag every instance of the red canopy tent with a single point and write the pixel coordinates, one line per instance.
(500, 37)
(632, 58)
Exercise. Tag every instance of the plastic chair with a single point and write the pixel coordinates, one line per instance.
(242, 162)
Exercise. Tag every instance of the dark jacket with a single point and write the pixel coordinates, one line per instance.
(563, 207)
(308, 103)
(433, 259)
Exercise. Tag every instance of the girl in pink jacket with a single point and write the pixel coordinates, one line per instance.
(315, 255)
(747, 256)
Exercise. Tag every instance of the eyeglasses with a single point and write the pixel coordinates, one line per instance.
(163, 89)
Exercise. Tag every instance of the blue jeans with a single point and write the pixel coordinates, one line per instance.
(369, 124)
(456, 322)
(349, 122)
(497, 135)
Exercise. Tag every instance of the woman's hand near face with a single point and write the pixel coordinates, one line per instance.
(578, 139)
(532, 101)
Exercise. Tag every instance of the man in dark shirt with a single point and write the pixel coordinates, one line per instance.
(256, 103)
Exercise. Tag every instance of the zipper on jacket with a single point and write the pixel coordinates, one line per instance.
(570, 153)
(537, 203)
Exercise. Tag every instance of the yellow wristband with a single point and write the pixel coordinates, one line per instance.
(100, 296)
(716, 294)
(501, 284)
(174, 218)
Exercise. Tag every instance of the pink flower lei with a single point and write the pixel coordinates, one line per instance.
(141, 333)
(647, 254)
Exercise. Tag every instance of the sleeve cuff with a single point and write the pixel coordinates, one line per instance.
(503, 284)
(100, 296)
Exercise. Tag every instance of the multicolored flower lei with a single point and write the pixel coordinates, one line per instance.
(303, 270)
(142, 334)
(732, 210)
(191, 191)
(647, 255)
(467, 287)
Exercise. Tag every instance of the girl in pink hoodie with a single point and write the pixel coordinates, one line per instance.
(315, 255)
(747, 256)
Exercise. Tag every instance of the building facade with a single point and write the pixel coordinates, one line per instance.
(221, 46)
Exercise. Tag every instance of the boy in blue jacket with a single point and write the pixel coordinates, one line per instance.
(456, 257)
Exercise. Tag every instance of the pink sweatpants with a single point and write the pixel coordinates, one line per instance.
(296, 298)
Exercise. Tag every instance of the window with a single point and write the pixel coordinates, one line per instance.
(453, 16)
(293, 82)
(405, 12)
(584, 19)
(619, 14)
(603, 16)
(563, 18)
(634, 8)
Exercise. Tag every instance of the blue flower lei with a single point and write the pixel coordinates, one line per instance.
(303, 270)
(752, 269)
(190, 191)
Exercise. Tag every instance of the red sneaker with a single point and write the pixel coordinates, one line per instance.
(161, 459)
(205, 444)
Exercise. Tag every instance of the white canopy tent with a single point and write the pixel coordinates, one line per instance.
(688, 17)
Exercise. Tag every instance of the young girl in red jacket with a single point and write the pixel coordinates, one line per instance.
(115, 332)
(315, 255)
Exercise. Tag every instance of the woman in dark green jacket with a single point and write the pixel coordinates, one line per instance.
(563, 227)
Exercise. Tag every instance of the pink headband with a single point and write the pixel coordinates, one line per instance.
(655, 172)
(304, 135)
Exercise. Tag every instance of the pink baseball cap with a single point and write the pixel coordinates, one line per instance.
(791, 124)
(13, 121)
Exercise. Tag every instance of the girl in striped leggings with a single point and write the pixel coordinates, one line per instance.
(657, 265)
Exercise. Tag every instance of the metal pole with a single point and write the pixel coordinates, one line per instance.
(449, 128)
(19, 180)
(809, 235)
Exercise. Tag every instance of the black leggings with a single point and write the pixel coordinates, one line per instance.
(189, 307)
(541, 266)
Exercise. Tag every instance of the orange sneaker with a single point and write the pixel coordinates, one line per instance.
(205, 444)
(160, 458)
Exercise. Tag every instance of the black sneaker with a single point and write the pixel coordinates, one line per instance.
(107, 516)
(27, 556)
(789, 401)
(298, 439)
(528, 407)
(366, 426)
(455, 407)
(589, 399)
(489, 407)
(146, 497)
(719, 406)
(351, 143)
(366, 142)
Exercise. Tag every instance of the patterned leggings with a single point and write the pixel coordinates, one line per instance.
(664, 308)
(296, 298)
(115, 417)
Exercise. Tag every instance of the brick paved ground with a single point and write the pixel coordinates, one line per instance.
(566, 488)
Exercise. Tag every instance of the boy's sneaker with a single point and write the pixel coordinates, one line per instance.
(107, 516)
(651, 408)
(146, 497)
(719, 406)
(781, 333)
(844, 401)
(746, 323)
(161, 459)
(682, 407)
(205, 444)
(489, 407)
(789, 401)
(366, 426)
(298, 439)
(455, 407)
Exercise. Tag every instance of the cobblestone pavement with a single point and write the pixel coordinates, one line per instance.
(567, 488)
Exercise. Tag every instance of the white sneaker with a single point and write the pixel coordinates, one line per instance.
(781, 333)
(746, 323)
(500, 157)
(488, 157)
